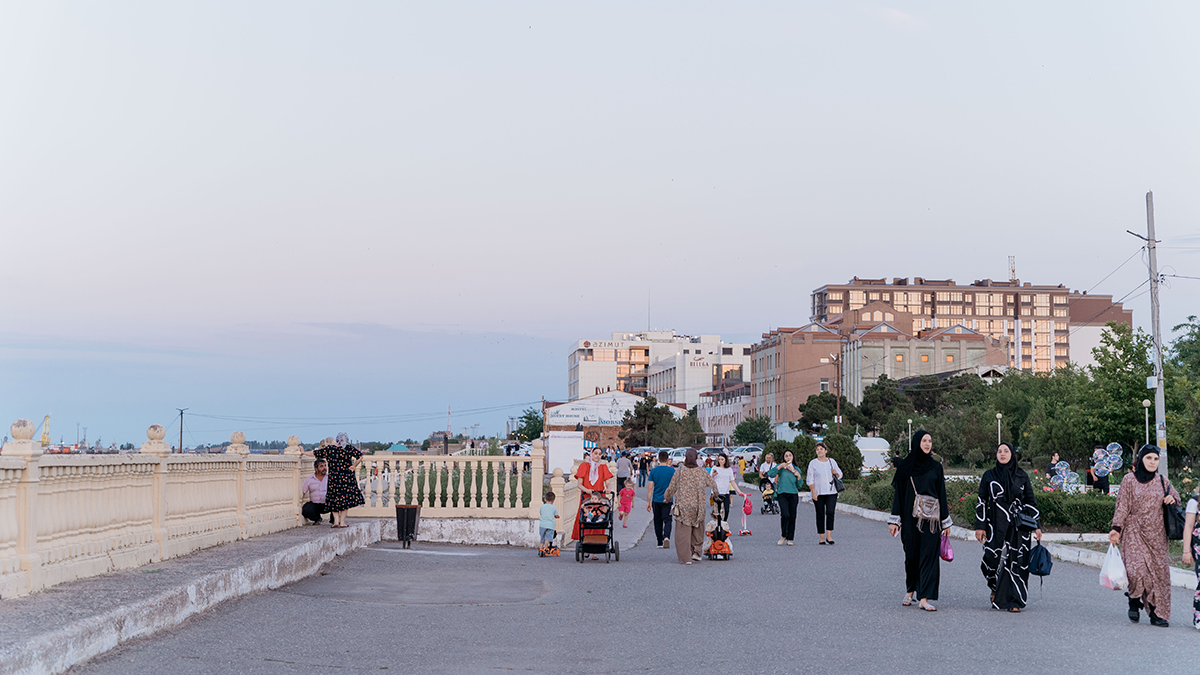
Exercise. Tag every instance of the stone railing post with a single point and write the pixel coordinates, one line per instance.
(23, 447)
(537, 477)
(237, 446)
(296, 452)
(158, 447)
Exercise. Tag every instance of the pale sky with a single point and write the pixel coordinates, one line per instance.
(367, 209)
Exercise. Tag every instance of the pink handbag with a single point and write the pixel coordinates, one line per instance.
(944, 550)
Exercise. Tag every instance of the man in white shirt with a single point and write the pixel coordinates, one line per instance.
(624, 470)
(314, 488)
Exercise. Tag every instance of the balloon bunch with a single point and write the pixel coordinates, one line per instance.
(1107, 460)
(1065, 479)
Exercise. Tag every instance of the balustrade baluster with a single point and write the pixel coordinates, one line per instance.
(494, 500)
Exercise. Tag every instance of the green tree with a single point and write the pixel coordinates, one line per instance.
(753, 429)
(1113, 410)
(820, 409)
(529, 424)
(881, 399)
(804, 448)
(652, 424)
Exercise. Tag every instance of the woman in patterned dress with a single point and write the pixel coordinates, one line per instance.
(343, 493)
(1005, 493)
(688, 490)
(1139, 527)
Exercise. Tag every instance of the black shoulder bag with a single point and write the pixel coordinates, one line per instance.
(1172, 516)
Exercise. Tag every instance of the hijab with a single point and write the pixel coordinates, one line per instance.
(1009, 475)
(594, 471)
(689, 459)
(916, 463)
(343, 440)
(1140, 472)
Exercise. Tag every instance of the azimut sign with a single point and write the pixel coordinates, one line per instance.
(590, 344)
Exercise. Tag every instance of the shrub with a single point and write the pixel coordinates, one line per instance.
(877, 475)
(881, 495)
(1088, 512)
(961, 497)
(776, 448)
(843, 451)
(805, 449)
(975, 457)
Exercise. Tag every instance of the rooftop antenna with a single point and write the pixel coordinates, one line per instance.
(1012, 268)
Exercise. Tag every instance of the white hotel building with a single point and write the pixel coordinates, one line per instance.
(673, 368)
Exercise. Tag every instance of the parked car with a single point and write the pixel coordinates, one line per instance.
(677, 455)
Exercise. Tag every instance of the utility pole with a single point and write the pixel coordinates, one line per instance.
(181, 428)
(1160, 409)
(837, 418)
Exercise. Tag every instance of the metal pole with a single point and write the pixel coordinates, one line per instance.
(1160, 408)
(998, 417)
(1146, 407)
(181, 428)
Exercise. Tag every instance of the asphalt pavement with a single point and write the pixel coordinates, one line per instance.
(771, 609)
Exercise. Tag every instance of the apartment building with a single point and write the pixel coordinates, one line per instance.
(1038, 321)
(623, 363)
(790, 364)
(721, 410)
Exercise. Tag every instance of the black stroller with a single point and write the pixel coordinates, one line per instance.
(596, 520)
(769, 505)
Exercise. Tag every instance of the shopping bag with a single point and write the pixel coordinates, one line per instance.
(1112, 573)
(945, 551)
(747, 507)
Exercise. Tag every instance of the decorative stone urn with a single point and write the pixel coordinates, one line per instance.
(156, 445)
(237, 444)
(22, 443)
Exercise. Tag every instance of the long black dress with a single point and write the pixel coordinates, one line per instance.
(1006, 549)
(342, 493)
(922, 570)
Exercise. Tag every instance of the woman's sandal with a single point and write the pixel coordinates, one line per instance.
(1015, 610)
(927, 608)
(907, 601)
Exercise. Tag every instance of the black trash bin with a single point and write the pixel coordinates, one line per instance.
(408, 518)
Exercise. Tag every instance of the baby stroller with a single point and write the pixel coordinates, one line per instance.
(595, 520)
(719, 547)
(769, 504)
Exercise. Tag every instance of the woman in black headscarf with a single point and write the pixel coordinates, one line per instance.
(1138, 526)
(919, 474)
(1006, 520)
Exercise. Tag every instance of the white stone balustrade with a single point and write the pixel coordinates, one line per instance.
(67, 517)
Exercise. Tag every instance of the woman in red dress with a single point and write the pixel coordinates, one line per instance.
(591, 475)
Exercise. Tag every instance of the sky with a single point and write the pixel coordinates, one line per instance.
(317, 217)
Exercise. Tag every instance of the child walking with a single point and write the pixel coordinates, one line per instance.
(626, 504)
(547, 524)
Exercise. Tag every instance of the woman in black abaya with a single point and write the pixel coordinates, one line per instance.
(1005, 494)
(919, 473)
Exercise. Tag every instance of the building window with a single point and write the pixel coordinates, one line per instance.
(834, 297)
(824, 359)
(824, 384)
(873, 296)
(726, 351)
(924, 358)
(745, 351)
(949, 358)
(899, 358)
(878, 316)
(888, 316)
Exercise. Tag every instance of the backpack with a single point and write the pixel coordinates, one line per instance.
(1039, 561)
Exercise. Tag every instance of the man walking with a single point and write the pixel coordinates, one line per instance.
(314, 487)
(660, 478)
(624, 470)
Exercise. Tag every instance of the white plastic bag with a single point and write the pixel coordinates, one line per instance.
(1112, 574)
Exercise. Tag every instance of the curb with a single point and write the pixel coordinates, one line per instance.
(74, 643)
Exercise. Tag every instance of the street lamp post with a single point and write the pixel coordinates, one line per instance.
(1146, 406)
(910, 433)
(998, 417)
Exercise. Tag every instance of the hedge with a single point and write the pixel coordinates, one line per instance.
(881, 495)
(847, 455)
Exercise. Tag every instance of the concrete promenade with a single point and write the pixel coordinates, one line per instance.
(807, 608)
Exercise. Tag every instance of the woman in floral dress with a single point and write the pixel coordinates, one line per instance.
(688, 490)
(1139, 527)
(343, 493)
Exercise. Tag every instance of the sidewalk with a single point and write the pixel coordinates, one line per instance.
(51, 631)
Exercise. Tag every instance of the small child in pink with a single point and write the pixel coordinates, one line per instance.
(626, 504)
